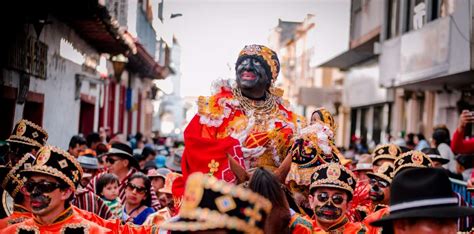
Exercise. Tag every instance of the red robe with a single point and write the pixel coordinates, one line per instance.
(211, 137)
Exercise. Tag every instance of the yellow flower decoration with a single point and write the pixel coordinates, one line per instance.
(213, 167)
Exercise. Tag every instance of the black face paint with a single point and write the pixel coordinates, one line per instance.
(328, 212)
(252, 78)
(39, 201)
(376, 194)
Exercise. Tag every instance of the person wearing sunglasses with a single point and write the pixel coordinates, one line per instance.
(26, 138)
(12, 183)
(379, 195)
(51, 182)
(120, 161)
(137, 199)
(331, 190)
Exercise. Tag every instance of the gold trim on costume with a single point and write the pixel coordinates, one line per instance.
(210, 219)
(7, 202)
(52, 172)
(75, 226)
(35, 126)
(12, 174)
(24, 140)
(34, 229)
(331, 181)
(206, 218)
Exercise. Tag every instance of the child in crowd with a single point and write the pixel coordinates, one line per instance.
(107, 187)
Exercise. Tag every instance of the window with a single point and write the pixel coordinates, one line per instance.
(393, 18)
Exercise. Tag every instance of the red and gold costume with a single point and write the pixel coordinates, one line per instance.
(225, 126)
(343, 226)
(68, 220)
(254, 133)
(20, 214)
(300, 224)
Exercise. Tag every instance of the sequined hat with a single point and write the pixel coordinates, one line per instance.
(387, 151)
(210, 204)
(28, 133)
(384, 172)
(311, 148)
(55, 162)
(13, 181)
(333, 175)
(411, 159)
(265, 55)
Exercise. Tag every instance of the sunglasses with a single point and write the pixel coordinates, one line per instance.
(140, 190)
(42, 187)
(336, 198)
(111, 160)
(380, 183)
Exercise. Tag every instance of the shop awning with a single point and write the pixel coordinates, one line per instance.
(145, 65)
(92, 21)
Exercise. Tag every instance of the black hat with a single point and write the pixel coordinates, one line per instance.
(384, 172)
(434, 155)
(310, 149)
(124, 151)
(387, 151)
(209, 203)
(13, 181)
(55, 162)
(333, 175)
(422, 193)
(28, 133)
(411, 159)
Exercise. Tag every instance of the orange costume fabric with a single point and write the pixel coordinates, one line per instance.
(76, 218)
(19, 215)
(373, 217)
(222, 129)
(344, 226)
(69, 220)
(301, 224)
(116, 225)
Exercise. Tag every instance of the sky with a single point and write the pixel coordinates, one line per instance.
(212, 32)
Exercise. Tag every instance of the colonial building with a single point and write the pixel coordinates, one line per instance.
(427, 57)
(57, 70)
(369, 104)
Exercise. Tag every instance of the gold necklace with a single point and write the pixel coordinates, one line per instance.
(263, 111)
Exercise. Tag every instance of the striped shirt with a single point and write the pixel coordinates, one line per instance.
(155, 204)
(87, 200)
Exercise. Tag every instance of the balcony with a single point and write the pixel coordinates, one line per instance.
(428, 57)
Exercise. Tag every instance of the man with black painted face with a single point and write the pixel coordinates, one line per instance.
(26, 138)
(243, 125)
(331, 190)
(379, 195)
(51, 182)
